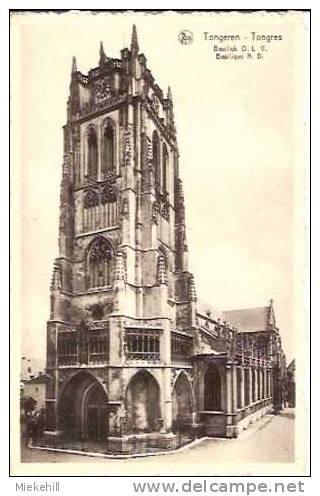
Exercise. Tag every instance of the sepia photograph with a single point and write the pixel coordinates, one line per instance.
(158, 182)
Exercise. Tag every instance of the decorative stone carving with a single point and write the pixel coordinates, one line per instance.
(108, 194)
(161, 270)
(119, 273)
(91, 199)
(165, 210)
(127, 151)
(110, 175)
(56, 281)
(192, 289)
(155, 104)
(174, 373)
(100, 250)
(149, 154)
(102, 90)
(155, 211)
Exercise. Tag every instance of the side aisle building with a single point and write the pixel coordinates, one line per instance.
(134, 362)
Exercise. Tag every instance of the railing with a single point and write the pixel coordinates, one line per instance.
(142, 344)
(90, 348)
(142, 355)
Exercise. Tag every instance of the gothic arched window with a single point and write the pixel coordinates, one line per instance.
(164, 169)
(108, 147)
(92, 154)
(156, 158)
(212, 389)
(99, 272)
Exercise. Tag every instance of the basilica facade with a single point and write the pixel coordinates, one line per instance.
(135, 362)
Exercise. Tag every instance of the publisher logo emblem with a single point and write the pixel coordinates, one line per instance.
(185, 37)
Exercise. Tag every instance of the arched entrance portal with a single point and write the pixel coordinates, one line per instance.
(83, 408)
(142, 402)
(182, 404)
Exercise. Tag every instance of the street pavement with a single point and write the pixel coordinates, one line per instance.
(269, 440)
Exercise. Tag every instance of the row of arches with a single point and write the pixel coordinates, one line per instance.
(83, 408)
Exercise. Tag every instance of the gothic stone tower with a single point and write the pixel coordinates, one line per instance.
(122, 321)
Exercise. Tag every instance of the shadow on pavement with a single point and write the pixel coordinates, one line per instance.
(289, 415)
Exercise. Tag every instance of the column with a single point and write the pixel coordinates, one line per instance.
(228, 389)
(166, 376)
(265, 383)
(234, 389)
(255, 371)
(269, 383)
(241, 387)
(250, 385)
(230, 428)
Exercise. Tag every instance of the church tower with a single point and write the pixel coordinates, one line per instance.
(122, 320)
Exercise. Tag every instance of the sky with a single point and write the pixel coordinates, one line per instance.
(240, 133)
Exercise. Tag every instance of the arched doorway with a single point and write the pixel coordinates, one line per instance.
(143, 403)
(83, 408)
(182, 403)
(212, 389)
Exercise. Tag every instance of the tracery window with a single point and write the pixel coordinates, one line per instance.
(90, 213)
(108, 148)
(156, 158)
(164, 169)
(92, 154)
(99, 264)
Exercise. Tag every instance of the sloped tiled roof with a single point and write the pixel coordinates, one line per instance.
(248, 319)
(40, 379)
(204, 308)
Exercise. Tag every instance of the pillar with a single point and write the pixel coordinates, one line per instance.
(250, 385)
(269, 383)
(166, 377)
(228, 389)
(255, 371)
(234, 389)
(230, 427)
(241, 387)
(265, 377)
(167, 399)
(260, 383)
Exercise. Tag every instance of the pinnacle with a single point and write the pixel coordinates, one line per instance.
(102, 54)
(74, 65)
(134, 39)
